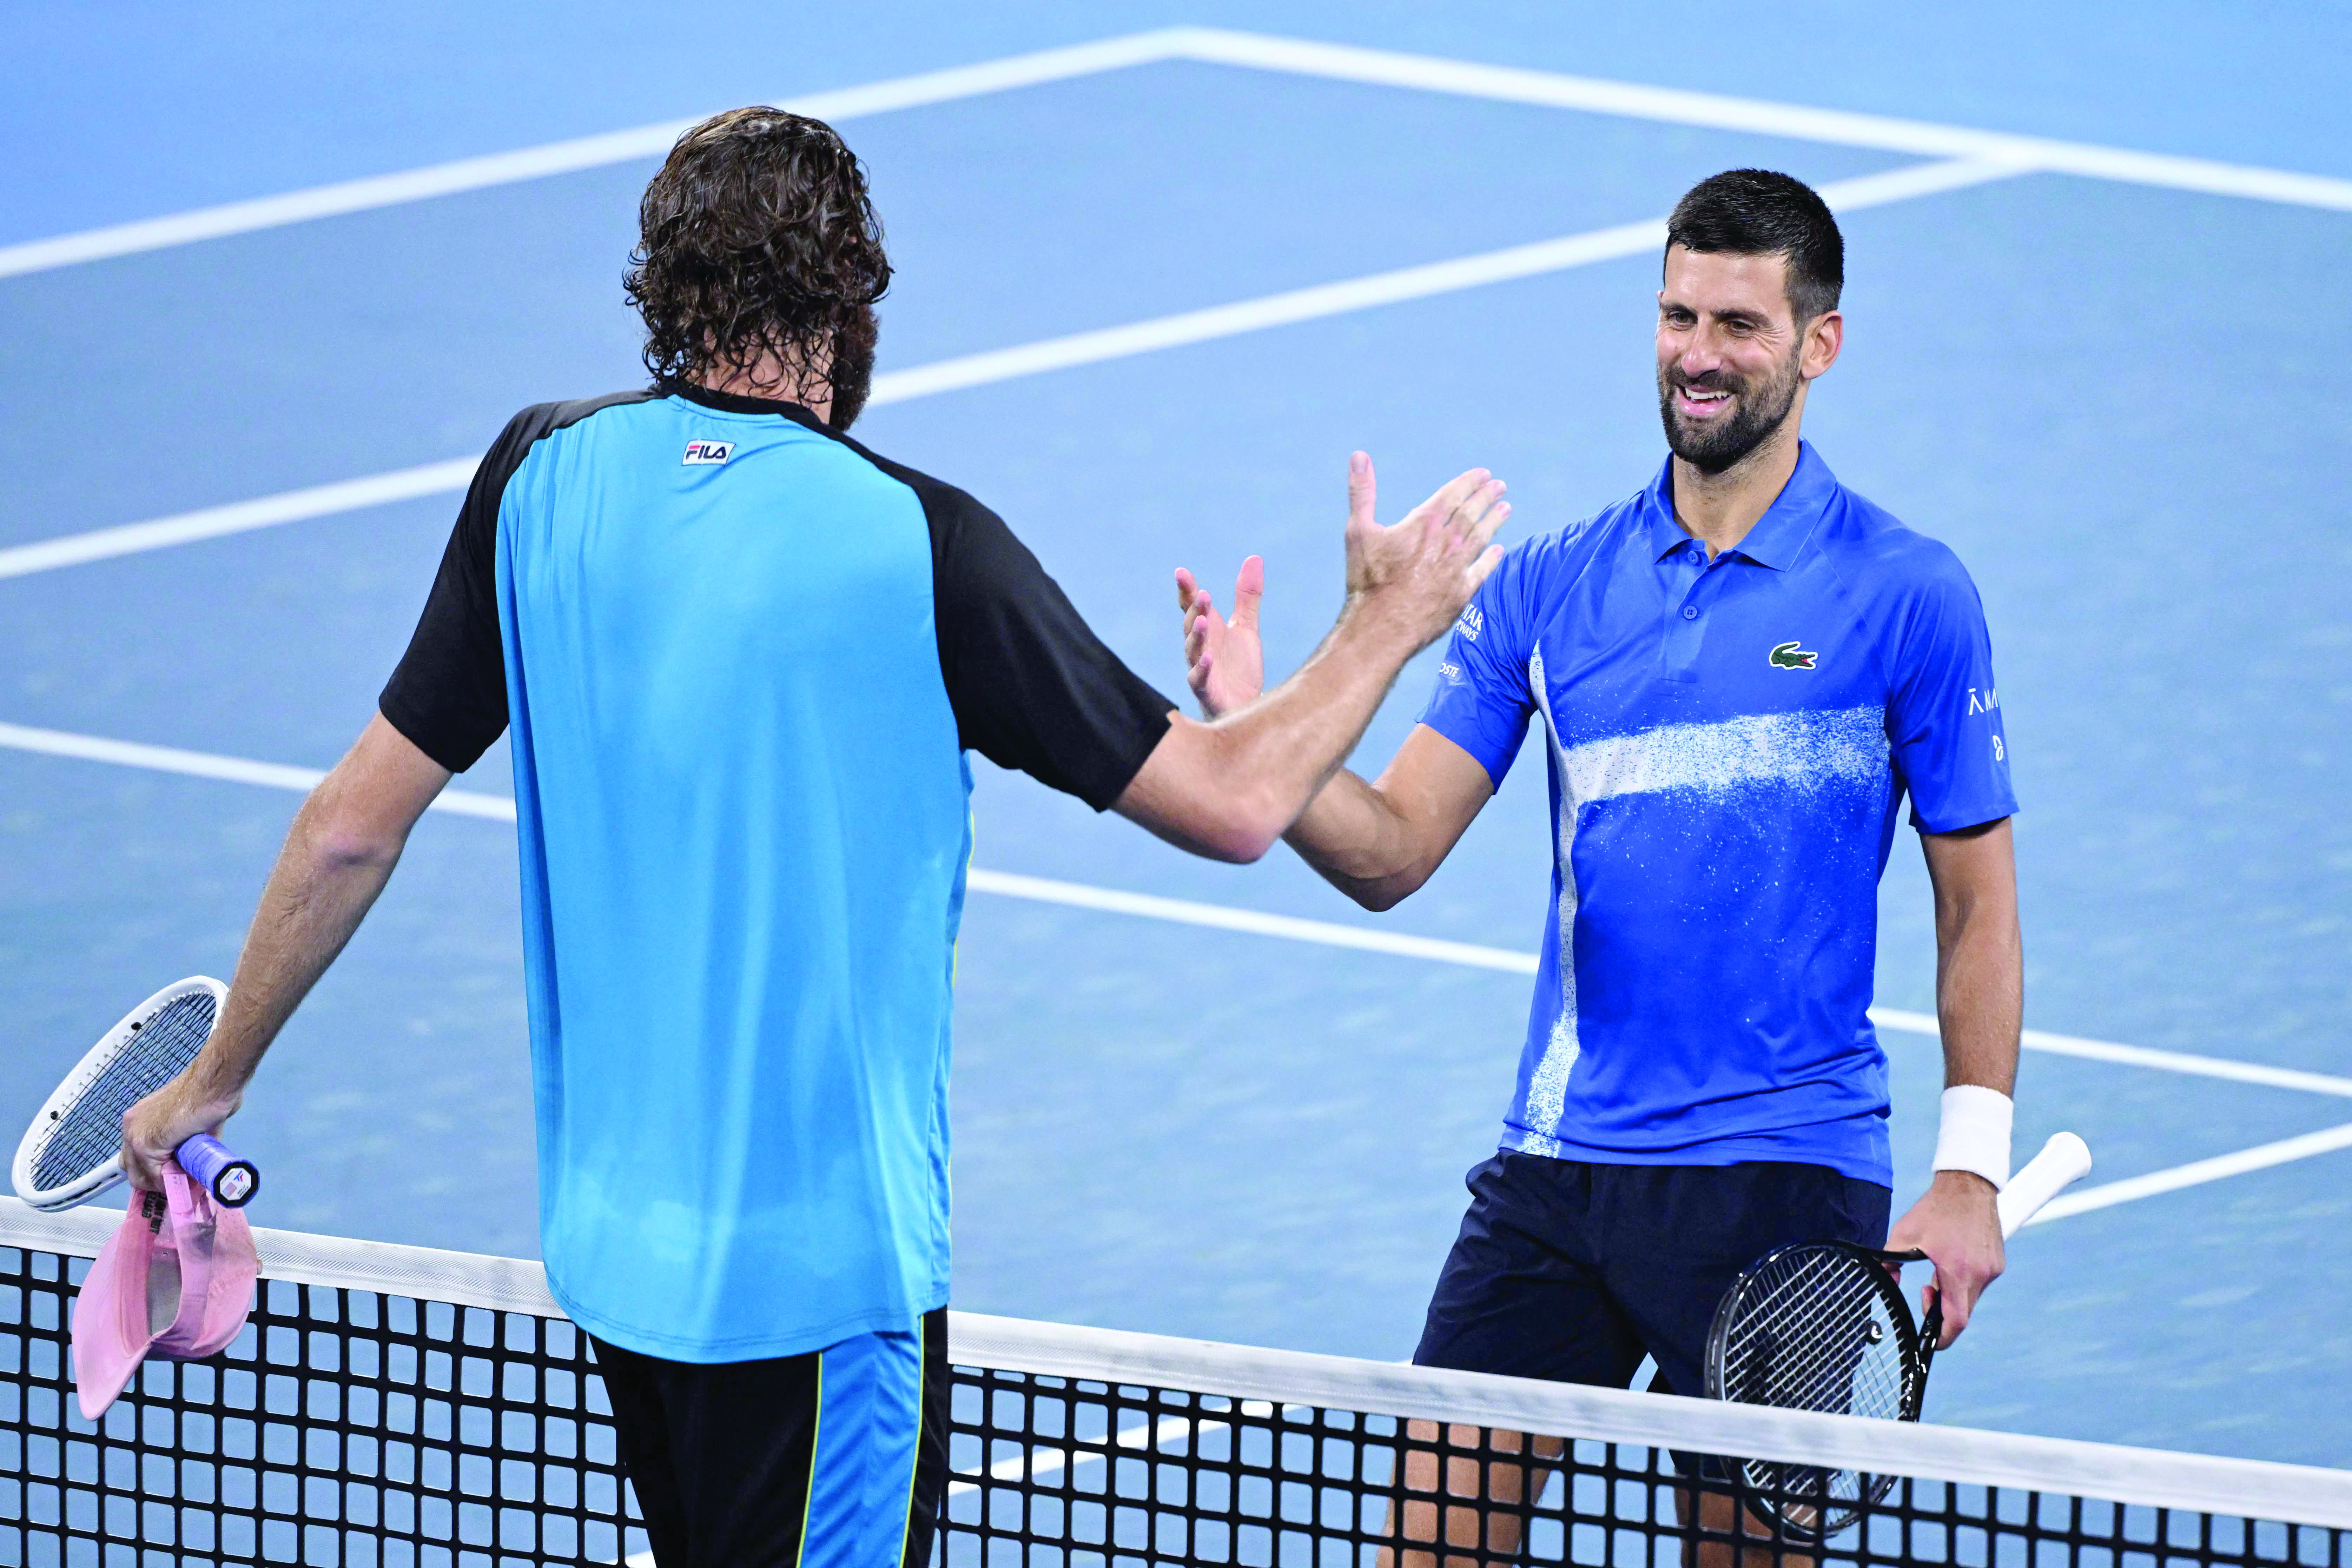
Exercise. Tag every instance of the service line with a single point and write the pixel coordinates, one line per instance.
(1330, 934)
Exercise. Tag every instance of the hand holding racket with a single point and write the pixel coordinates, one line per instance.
(73, 1151)
(1823, 1325)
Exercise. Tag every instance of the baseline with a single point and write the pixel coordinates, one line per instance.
(1209, 45)
(561, 157)
(1186, 327)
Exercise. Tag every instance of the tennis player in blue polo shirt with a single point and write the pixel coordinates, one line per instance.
(1737, 676)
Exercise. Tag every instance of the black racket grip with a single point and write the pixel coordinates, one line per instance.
(231, 1181)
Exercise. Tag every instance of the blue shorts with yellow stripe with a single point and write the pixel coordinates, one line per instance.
(837, 1458)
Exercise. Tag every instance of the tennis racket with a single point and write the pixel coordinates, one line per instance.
(1823, 1325)
(73, 1150)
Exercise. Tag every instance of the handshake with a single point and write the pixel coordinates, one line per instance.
(1229, 788)
(1413, 578)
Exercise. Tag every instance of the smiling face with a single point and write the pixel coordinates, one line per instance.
(1733, 361)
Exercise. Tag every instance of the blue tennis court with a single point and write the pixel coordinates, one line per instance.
(1153, 285)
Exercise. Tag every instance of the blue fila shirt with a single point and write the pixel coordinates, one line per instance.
(1728, 745)
(743, 658)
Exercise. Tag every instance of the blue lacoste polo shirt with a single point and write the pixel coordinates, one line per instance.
(1729, 742)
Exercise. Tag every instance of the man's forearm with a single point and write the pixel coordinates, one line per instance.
(1229, 788)
(1980, 998)
(343, 844)
(1283, 748)
(324, 883)
(1266, 761)
(1353, 836)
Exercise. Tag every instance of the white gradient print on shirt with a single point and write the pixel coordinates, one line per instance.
(1805, 750)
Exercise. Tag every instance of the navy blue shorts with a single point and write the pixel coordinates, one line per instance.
(1573, 1271)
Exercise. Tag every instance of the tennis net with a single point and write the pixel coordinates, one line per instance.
(398, 1406)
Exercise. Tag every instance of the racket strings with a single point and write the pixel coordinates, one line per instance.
(1818, 1338)
(1815, 1333)
(89, 1133)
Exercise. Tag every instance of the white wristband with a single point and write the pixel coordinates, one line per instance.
(1974, 1135)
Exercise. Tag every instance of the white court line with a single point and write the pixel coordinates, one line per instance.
(1005, 364)
(561, 157)
(1718, 112)
(1222, 917)
(209, 765)
(1152, 906)
(1389, 288)
(2195, 1173)
(1225, 917)
(1212, 46)
(239, 516)
(2140, 1056)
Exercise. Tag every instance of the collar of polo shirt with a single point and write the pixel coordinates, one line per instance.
(1779, 535)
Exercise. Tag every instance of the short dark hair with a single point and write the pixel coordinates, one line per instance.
(1758, 212)
(758, 237)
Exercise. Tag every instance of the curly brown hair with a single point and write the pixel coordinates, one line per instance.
(759, 254)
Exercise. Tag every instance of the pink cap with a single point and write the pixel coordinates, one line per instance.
(178, 1288)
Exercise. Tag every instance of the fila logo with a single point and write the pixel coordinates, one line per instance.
(1471, 623)
(1789, 656)
(698, 452)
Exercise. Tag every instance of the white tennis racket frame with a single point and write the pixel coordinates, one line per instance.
(95, 1060)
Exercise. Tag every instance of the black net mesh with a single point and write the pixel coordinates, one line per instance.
(342, 1426)
(1051, 1470)
(356, 1426)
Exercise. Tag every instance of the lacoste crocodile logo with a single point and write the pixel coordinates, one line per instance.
(1789, 656)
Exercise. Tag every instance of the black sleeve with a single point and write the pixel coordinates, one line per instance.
(448, 693)
(1032, 685)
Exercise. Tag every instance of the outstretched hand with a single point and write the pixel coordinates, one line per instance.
(1225, 661)
(1421, 572)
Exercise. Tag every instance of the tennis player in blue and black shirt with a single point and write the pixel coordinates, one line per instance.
(1736, 676)
(742, 660)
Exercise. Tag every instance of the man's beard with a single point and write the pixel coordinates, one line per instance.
(853, 367)
(1719, 443)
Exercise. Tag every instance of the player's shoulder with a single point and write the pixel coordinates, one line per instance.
(541, 420)
(955, 515)
(1875, 550)
(1557, 555)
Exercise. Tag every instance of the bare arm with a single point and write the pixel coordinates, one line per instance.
(1377, 843)
(337, 857)
(1229, 786)
(1979, 1005)
(1979, 956)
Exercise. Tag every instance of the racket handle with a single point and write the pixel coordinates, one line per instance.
(2063, 1159)
(231, 1181)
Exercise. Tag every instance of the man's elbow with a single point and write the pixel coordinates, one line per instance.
(340, 839)
(1239, 836)
(343, 848)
